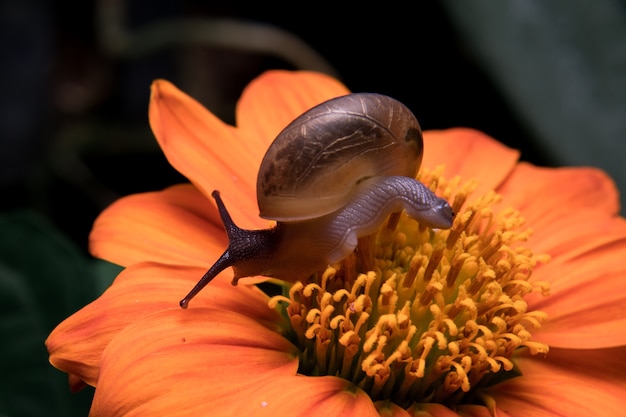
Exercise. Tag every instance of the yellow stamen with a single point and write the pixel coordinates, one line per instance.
(434, 314)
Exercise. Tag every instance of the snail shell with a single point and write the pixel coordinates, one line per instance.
(315, 164)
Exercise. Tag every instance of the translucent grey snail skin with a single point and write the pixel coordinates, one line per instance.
(331, 176)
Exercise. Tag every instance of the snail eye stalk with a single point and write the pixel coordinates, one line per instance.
(224, 261)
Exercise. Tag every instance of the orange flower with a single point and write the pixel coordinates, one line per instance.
(232, 355)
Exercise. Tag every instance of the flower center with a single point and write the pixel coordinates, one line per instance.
(421, 315)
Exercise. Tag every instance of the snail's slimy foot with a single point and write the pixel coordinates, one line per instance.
(440, 315)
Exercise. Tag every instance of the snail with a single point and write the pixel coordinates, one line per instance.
(331, 176)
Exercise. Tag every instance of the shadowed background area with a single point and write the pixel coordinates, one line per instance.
(546, 78)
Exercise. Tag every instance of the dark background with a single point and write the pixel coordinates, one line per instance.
(75, 75)
(88, 103)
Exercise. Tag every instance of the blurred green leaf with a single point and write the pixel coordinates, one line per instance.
(43, 279)
(562, 67)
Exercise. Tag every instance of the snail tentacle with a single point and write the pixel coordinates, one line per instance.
(224, 261)
(248, 252)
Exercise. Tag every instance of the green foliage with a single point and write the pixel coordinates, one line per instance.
(561, 67)
(44, 278)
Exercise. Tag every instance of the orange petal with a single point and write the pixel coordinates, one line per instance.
(201, 147)
(588, 295)
(544, 195)
(175, 226)
(566, 239)
(482, 411)
(571, 212)
(470, 154)
(571, 383)
(275, 98)
(176, 362)
(302, 396)
(76, 345)
(76, 383)
(389, 409)
(431, 410)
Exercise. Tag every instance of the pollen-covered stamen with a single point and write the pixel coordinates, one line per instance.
(434, 316)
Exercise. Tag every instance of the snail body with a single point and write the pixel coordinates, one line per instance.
(331, 176)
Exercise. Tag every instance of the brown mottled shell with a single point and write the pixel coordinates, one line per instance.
(315, 164)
